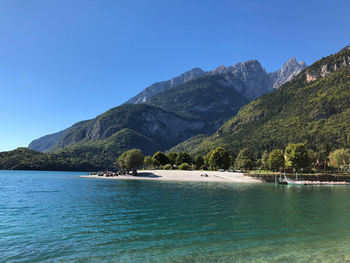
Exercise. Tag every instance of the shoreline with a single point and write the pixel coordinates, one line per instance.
(183, 176)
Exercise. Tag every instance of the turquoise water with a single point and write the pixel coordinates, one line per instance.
(60, 217)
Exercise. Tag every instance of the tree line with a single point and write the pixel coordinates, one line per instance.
(295, 157)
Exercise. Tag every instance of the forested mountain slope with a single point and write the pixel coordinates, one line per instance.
(313, 108)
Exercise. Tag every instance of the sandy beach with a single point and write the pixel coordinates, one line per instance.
(183, 176)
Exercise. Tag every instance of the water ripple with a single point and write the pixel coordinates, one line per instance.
(59, 217)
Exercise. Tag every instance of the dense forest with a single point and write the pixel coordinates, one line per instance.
(26, 159)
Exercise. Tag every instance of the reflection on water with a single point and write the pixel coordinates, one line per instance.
(57, 216)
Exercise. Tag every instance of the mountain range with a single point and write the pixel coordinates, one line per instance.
(169, 112)
(313, 108)
(251, 73)
(234, 107)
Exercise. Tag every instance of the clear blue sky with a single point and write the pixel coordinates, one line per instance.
(62, 61)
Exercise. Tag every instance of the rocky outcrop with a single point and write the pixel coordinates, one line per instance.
(313, 74)
(288, 72)
(164, 85)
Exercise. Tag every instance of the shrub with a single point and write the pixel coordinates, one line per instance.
(167, 166)
(184, 166)
(148, 161)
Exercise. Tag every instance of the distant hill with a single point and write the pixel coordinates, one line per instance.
(313, 108)
(26, 159)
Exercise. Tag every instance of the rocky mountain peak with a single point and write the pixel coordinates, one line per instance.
(289, 70)
(293, 64)
(250, 65)
(248, 78)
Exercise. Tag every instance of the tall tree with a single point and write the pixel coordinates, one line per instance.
(131, 160)
(172, 158)
(296, 156)
(275, 160)
(183, 157)
(219, 158)
(264, 163)
(161, 157)
(198, 162)
(244, 159)
(339, 158)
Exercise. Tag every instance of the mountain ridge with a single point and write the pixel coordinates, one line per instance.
(210, 99)
(302, 110)
(289, 70)
(163, 85)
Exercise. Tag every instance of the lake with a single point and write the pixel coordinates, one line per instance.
(60, 217)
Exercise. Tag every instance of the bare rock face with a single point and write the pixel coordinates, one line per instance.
(326, 69)
(164, 85)
(252, 80)
(167, 126)
(289, 70)
(329, 68)
(248, 78)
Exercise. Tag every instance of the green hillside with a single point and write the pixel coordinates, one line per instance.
(190, 143)
(313, 108)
